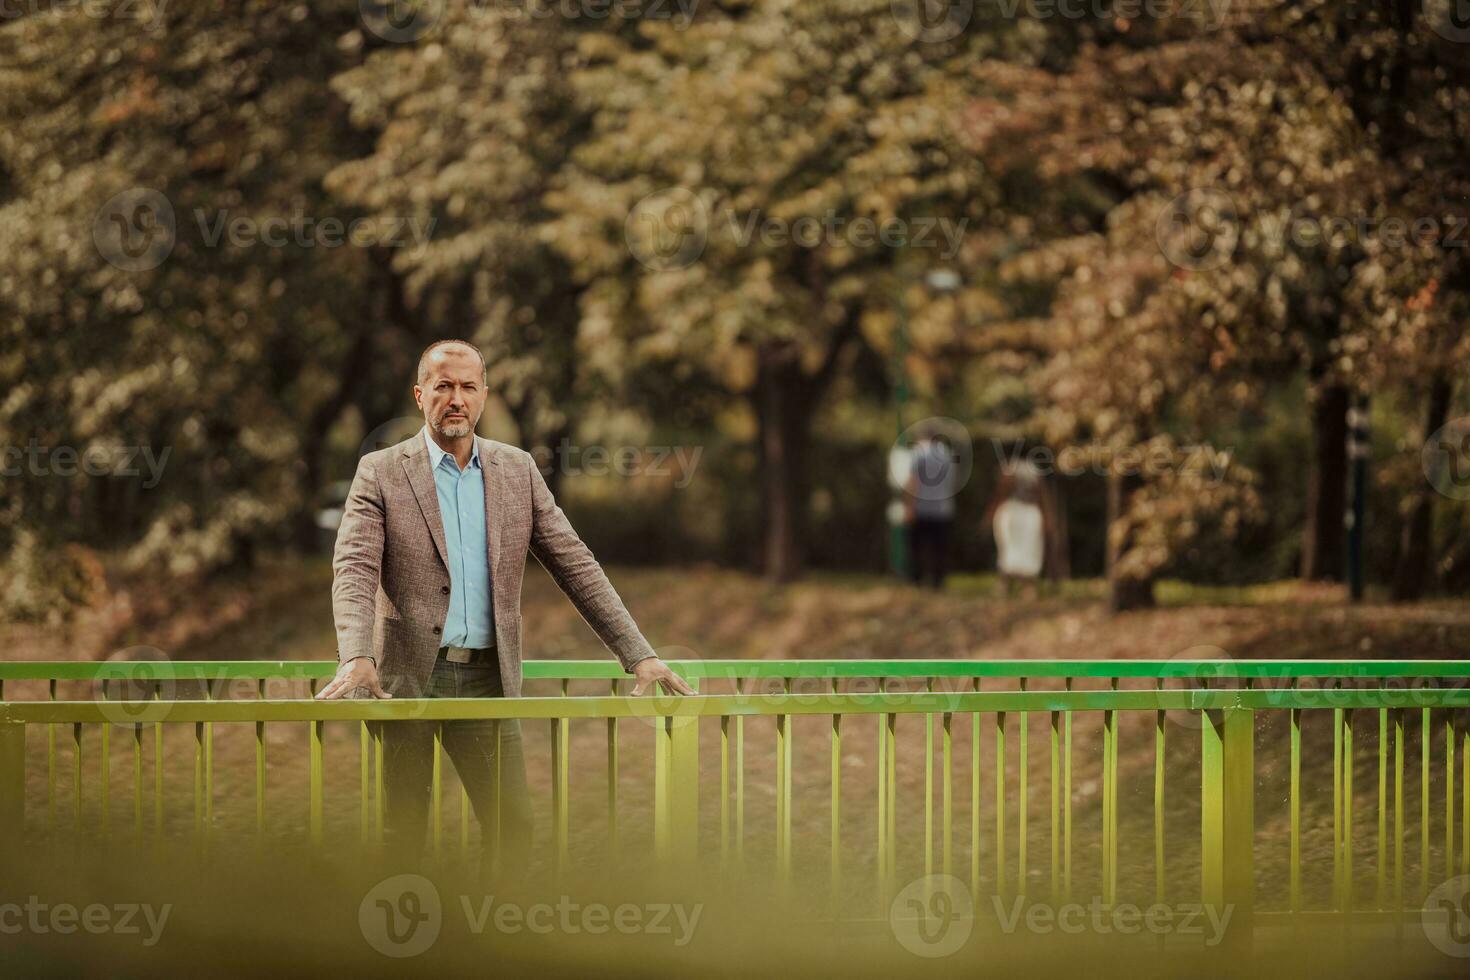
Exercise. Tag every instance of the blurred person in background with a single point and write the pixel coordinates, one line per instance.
(929, 507)
(1029, 530)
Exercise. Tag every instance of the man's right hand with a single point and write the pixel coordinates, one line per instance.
(355, 679)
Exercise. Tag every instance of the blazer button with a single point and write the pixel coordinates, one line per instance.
(444, 589)
(437, 631)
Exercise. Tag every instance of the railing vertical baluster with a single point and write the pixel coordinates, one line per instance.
(929, 785)
(158, 767)
(198, 782)
(1347, 810)
(208, 763)
(12, 787)
(836, 833)
(436, 795)
(260, 768)
(892, 807)
(1055, 812)
(1227, 824)
(1381, 889)
(1107, 809)
(882, 767)
(464, 820)
(740, 783)
(975, 799)
(1449, 794)
(1398, 809)
(725, 794)
(493, 835)
(1425, 738)
(1000, 805)
(1465, 802)
(1296, 809)
(1023, 796)
(378, 790)
(1159, 754)
(947, 796)
(105, 759)
(365, 776)
(787, 740)
(560, 802)
(1337, 806)
(314, 764)
(137, 782)
(51, 766)
(781, 802)
(612, 774)
(662, 764)
(76, 773)
(1067, 802)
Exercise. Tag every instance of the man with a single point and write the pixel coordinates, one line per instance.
(426, 594)
(929, 506)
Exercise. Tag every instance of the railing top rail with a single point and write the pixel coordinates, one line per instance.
(305, 710)
(179, 670)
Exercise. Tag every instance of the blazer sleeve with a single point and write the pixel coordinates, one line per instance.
(357, 563)
(576, 572)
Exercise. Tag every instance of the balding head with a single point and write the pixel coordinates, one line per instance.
(436, 352)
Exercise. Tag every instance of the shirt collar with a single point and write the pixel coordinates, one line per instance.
(436, 454)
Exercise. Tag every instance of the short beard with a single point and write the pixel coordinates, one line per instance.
(454, 430)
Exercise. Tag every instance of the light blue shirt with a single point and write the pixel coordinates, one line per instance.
(470, 622)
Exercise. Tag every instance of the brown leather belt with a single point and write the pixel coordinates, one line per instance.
(464, 655)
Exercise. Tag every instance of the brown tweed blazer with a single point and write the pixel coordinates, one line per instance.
(390, 583)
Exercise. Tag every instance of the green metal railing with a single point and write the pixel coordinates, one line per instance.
(1226, 701)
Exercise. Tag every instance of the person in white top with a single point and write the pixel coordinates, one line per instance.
(1027, 524)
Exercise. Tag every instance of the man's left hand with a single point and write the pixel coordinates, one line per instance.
(653, 670)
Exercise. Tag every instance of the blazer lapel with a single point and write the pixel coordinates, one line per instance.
(494, 475)
(421, 478)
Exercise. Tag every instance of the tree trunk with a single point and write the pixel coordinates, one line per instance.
(783, 408)
(1125, 592)
(1322, 537)
(1415, 558)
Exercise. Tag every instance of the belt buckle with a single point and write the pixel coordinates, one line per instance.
(457, 655)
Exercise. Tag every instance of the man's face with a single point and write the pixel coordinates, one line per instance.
(453, 395)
